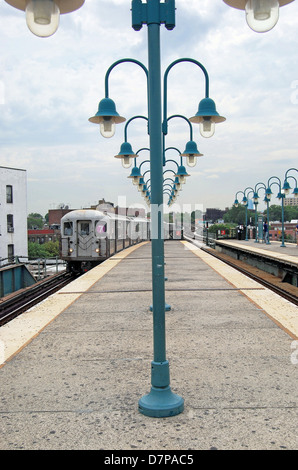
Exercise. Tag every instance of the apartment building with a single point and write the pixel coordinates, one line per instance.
(13, 213)
(291, 201)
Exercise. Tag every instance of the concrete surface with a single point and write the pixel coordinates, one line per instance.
(76, 385)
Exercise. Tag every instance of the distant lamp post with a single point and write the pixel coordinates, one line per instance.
(286, 187)
(261, 15)
(280, 195)
(182, 174)
(42, 16)
(135, 175)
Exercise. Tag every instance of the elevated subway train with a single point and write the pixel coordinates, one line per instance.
(89, 237)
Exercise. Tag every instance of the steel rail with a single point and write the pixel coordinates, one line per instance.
(258, 278)
(22, 301)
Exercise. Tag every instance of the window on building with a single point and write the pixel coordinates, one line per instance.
(10, 223)
(9, 195)
(10, 253)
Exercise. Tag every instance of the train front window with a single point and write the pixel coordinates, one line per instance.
(84, 228)
(67, 230)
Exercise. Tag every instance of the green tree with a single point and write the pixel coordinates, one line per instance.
(46, 250)
(34, 220)
(236, 215)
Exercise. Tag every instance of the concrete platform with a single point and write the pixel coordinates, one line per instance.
(288, 253)
(86, 361)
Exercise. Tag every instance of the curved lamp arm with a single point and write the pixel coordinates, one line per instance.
(120, 62)
(166, 78)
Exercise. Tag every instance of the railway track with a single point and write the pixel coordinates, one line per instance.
(22, 300)
(270, 281)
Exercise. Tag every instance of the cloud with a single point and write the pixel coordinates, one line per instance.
(50, 87)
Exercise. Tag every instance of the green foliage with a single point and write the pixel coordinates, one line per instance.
(47, 250)
(228, 228)
(236, 215)
(34, 220)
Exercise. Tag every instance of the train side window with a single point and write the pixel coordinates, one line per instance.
(68, 228)
(84, 228)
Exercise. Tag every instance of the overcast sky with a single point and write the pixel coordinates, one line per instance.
(50, 87)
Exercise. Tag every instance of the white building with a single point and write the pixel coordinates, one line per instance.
(13, 213)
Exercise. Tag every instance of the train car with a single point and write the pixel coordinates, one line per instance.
(89, 237)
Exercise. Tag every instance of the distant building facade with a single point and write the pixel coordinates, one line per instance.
(291, 201)
(275, 231)
(42, 236)
(212, 215)
(13, 213)
(55, 216)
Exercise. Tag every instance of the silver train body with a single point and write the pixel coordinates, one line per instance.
(89, 237)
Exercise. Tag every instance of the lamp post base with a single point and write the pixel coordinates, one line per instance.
(161, 403)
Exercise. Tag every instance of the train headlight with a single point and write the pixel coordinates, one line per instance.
(97, 250)
(70, 250)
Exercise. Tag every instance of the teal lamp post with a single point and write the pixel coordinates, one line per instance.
(281, 196)
(286, 186)
(160, 401)
(256, 202)
(245, 201)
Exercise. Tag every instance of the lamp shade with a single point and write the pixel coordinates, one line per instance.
(182, 174)
(42, 16)
(240, 4)
(135, 175)
(126, 154)
(286, 187)
(191, 149)
(107, 117)
(191, 153)
(65, 6)
(207, 108)
(268, 193)
(261, 15)
(207, 116)
(106, 109)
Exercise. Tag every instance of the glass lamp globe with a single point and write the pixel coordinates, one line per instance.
(42, 16)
